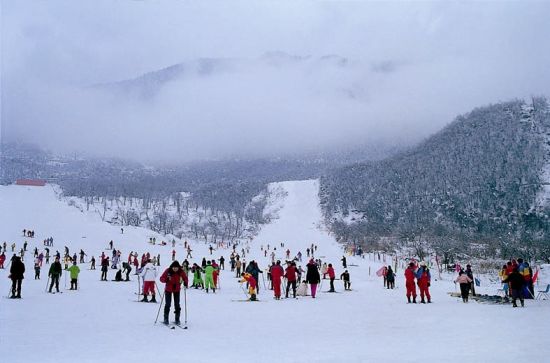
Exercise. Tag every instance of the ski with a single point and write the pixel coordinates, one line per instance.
(247, 300)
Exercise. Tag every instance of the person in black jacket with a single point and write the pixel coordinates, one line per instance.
(516, 285)
(312, 276)
(254, 270)
(17, 271)
(55, 274)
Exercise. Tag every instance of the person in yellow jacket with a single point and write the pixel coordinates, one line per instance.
(246, 277)
(74, 270)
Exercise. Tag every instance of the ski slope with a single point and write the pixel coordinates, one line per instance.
(103, 322)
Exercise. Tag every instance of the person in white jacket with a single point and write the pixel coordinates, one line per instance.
(149, 275)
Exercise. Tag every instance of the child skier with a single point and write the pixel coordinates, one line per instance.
(345, 277)
(248, 278)
(74, 270)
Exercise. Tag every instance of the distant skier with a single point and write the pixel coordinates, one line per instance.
(517, 283)
(464, 282)
(127, 269)
(149, 275)
(423, 278)
(331, 276)
(173, 277)
(390, 277)
(36, 269)
(17, 271)
(409, 282)
(344, 262)
(197, 277)
(104, 268)
(254, 270)
(222, 263)
(54, 274)
(345, 277)
(92, 263)
(470, 274)
(209, 277)
(74, 270)
(276, 273)
(290, 274)
(2, 260)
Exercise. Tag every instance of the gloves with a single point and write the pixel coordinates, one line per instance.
(428, 284)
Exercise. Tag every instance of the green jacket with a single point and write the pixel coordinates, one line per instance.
(209, 270)
(74, 270)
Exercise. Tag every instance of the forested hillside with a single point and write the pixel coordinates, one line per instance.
(481, 179)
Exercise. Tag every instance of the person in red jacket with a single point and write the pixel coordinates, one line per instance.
(276, 272)
(290, 274)
(409, 282)
(248, 278)
(423, 277)
(173, 277)
(331, 276)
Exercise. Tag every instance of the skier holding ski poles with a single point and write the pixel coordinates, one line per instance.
(173, 277)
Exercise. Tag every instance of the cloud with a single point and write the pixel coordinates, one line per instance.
(255, 78)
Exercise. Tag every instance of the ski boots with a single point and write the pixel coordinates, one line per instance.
(153, 300)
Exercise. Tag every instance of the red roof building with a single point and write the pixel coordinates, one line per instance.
(31, 182)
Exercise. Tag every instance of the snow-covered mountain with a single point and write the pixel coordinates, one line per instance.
(148, 85)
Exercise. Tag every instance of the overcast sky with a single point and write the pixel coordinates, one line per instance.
(410, 68)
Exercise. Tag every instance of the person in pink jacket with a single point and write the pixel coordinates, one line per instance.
(464, 282)
(331, 276)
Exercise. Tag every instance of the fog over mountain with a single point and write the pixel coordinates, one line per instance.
(181, 81)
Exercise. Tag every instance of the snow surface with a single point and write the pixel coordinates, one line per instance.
(102, 321)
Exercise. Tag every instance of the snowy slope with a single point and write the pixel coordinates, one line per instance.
(101, 322)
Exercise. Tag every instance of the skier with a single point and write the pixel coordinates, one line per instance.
(470, 274)
(74, 270)
(216, 273)
(290, 274)
(36, 269)
(276, 273)
(464, 282)
(17, 271)
(344, 262)
(409, 282)
(209, 277)
(390, 276)
(92, 263)
(324, 270)
(252, 284)
(222, 263)
(173, 277)
(345, 277)
(149, 275)
(82, 254)
(126, 268)
(254, 270)
(211, 249)
(238, 265)
(197, 278)
(517, 283)
(331, 276)
(104, 268)
(54, 274)
(312, 276)
(423, 278)
(2, 259)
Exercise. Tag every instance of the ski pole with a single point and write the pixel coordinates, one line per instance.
(185, 305)
(160, 306)
(138, 291)
(263, 279)
(65, 280)
(47, 283)
(242, 288)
